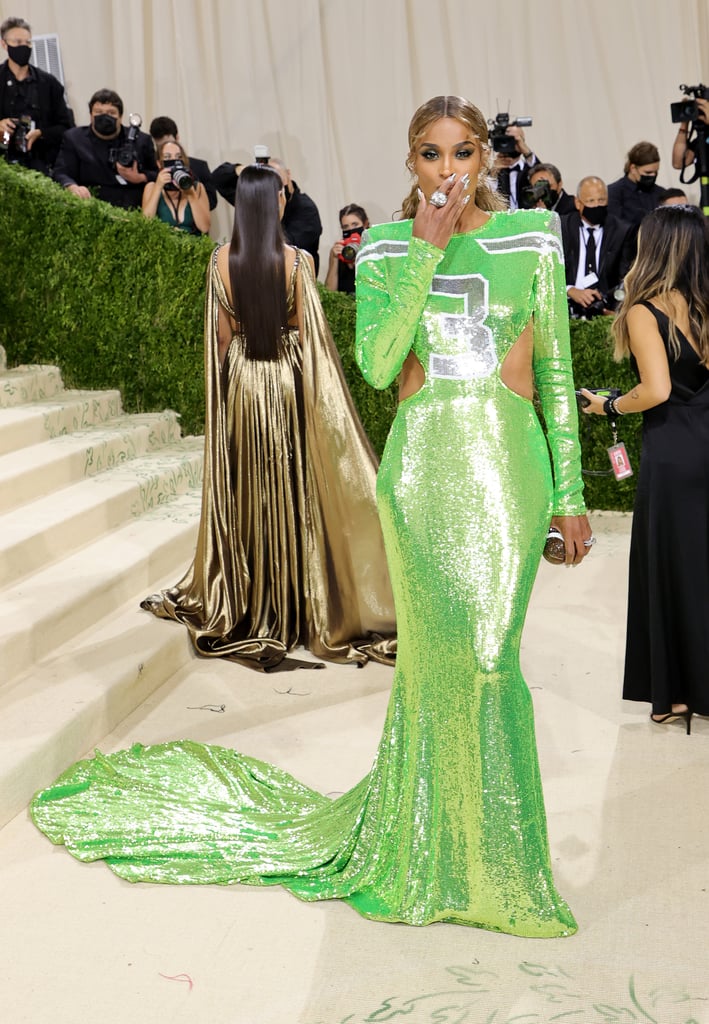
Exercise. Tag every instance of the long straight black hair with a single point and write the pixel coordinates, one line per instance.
(257, 264)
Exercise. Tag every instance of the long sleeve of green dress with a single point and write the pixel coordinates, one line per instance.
(389, 310)
(553, 376)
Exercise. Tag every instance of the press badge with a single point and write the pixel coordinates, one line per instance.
(620, 461)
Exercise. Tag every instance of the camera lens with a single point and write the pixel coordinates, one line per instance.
(182, 178)
(505, 145)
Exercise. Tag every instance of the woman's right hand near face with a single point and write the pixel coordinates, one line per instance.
(436, 224)
(163, 178)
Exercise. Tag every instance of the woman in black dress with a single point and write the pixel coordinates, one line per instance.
(663, 326)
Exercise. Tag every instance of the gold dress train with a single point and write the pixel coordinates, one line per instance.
(289, 549)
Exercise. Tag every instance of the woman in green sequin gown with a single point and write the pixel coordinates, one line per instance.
(450, 824)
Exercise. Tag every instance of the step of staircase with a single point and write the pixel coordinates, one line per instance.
(97, 509)
(55, 525)
(32, 472)
(25, 384)
(23, 425)
(43, 611)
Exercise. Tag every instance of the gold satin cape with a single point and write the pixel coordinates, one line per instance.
(290, 549)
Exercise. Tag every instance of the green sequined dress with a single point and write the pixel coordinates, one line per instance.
(450, 824)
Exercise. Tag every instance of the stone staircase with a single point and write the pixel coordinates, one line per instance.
(97, 509)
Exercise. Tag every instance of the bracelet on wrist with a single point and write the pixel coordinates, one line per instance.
(681, 131)
(610, 408)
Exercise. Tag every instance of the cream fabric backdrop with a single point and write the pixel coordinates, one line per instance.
(330, 85)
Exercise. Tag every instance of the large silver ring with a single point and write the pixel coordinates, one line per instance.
(438, 198)
(590, 542)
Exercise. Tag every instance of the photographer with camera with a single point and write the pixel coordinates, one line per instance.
(598, 251)
(33, 112)
(691, 145)
(115, 160)
(341, 265)
(546, 191)
(176, 197)
(513, 157)
(164, 129)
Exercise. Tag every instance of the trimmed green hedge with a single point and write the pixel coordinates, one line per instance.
(110, 297)
(116, 300)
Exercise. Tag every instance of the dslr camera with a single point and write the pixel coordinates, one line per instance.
(533, 193)
(18, 136)
(609, 300)
(596, 307)
(182, 177)
(353, 243)
(687, 109)
(502, 143)
(127, 153)
(261, 155)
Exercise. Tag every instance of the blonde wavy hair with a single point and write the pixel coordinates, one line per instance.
(673, 255)
(462, 110)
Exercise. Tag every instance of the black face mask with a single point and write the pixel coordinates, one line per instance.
(646, 182)
(20, 54)
(595, 215)
(346, 232)
(105, 124)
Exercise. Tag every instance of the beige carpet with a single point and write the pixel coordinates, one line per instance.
(628, 815)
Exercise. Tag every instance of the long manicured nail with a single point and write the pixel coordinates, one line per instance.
(466, 200)
(466, 179)
(419, 194)
(452, 177)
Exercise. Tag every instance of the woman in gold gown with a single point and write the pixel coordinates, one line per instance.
(289, 550)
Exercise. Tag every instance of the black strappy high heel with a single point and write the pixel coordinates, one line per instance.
(674, 716)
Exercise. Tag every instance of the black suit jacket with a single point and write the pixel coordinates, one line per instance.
(629, 202)
(86, 159)
(301, 223)
(616, 250)
(522, 181)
